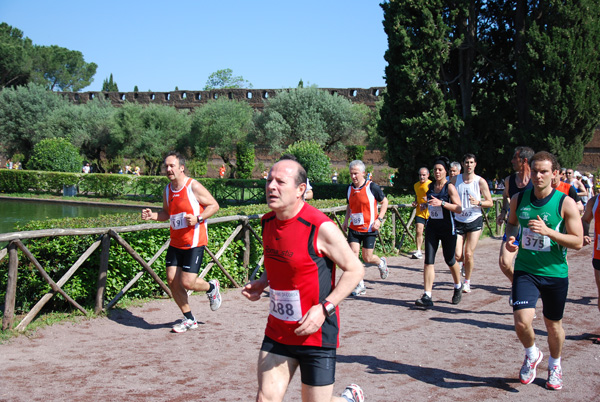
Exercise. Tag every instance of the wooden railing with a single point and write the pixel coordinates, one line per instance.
(400, 230)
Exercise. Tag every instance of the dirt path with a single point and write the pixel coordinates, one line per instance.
(395, 351)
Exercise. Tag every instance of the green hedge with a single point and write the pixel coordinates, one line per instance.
(58, 254)
(150, 188)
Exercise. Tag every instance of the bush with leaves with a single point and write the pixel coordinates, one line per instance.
(55, 155)
(312, 157)
(245, 160)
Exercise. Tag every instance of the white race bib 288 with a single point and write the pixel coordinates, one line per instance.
(285, 304)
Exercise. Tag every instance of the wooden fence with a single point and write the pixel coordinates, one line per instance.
(244, 230)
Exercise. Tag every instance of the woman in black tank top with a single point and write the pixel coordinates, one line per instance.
(442, 201)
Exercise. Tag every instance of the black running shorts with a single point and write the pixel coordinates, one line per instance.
(189, 260)
(527, 288)
(367, 239)
(317, 365)
(467, 227)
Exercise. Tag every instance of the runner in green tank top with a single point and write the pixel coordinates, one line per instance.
(540, 255)
(550, 223)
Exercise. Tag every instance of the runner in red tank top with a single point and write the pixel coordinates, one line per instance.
(302, 248)
(592, 211)
(187, 204)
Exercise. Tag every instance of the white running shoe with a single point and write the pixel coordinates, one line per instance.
(353, 393)
(184, 325)
(462, 269)
(467, 288)
(214, 297)
(528, 369)
(360, 289)
(555, 380)
(418, 255)
(384, 271)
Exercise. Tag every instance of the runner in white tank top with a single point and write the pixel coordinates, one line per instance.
(475, 195)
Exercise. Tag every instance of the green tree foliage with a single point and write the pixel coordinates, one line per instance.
(417, 117)
(56, 155)
(89, 126)
(108, 85)
(53, 67)
(220, 124)
(309, 114)
(244, 160)
(484, 77)
(15, 57)
(312, 157)
(222, 79)
(21, 110)
(559, 68)
(148, 133)
(58, 68)
(355, 152)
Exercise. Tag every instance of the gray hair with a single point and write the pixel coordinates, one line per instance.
(357, 163)
(424, 168)
(456, 165)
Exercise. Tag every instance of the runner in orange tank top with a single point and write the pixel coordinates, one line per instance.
(363, 220)
(187, 204)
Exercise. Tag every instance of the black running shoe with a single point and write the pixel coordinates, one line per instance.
(424, 301)
(457, 296)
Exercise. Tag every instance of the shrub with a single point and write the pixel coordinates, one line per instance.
(312, 157)
(56, 155)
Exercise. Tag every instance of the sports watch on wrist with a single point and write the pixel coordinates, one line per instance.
(329, 308)
(200, 219)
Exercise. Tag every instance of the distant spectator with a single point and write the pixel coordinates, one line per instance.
(222, 171)
(128, 169)
(334, 177)
(86, 168)
(265, 174)
(137, 171)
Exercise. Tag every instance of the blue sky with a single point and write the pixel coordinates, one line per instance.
(158, 45)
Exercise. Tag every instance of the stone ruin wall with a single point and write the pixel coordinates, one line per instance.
(191, 99)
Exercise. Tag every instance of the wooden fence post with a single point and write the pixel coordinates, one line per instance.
(247, 245)
(498, 227)
(11, 286)
(102, 273)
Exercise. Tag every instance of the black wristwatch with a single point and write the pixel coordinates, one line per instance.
(200, 219)
(329, 308)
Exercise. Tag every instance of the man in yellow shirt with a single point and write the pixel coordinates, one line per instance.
(420, 203)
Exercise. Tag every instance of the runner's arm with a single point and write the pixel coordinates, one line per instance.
(332, 243)
(161, 215)
(205, 198)
(587, 217)
(574, 236)
(487, 201)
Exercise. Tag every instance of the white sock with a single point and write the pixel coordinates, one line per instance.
(553, 362)
(428, 293)
(457, 285)
(532, 352)
(467, 281)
